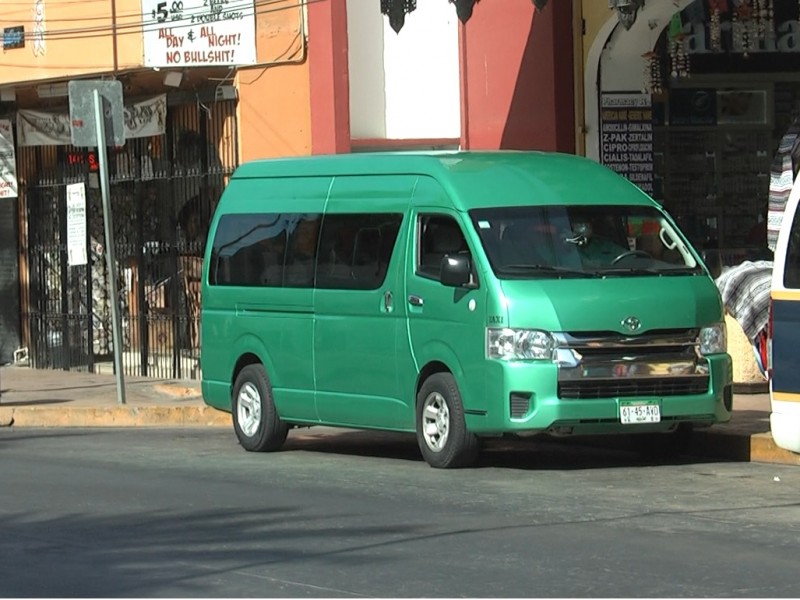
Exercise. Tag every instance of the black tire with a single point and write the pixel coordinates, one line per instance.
(255, 419)
(664, 446)
(439, 406)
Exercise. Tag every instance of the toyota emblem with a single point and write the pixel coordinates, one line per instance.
(631, 323)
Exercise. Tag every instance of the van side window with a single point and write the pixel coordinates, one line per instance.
(438, 235)
(255, 250)
(791, 273)
(355, 250)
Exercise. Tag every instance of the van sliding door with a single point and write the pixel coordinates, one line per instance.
(360, 315)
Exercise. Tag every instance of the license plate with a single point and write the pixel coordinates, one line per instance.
(639, 412)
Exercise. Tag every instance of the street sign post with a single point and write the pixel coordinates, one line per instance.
(82, 112)
(96, 119)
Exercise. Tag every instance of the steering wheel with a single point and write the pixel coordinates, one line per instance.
(629, 253)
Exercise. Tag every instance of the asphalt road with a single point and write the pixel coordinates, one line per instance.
(177, 513)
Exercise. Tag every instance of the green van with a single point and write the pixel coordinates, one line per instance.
(459, 296)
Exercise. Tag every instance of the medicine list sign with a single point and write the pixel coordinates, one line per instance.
(198, 33)
(626, 144)
(76, 224)
(8, 162)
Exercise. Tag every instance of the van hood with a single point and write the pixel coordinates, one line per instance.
(582, 305)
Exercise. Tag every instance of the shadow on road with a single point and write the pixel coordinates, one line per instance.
(539, 453)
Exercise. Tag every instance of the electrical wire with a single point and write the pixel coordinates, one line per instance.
(244, 8)
(52, 2)
(153, 25)
(106, 67)
(138, 31)
(244, 4)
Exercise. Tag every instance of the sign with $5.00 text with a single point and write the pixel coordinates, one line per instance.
(198, 33)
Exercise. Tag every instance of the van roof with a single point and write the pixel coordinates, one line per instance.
(472, 177)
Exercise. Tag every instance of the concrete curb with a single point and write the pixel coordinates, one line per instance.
(116, 416)
(711, 443)
(764, 449)
(741, 447)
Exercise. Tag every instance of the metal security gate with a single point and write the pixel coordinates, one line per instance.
(9, 280)
(163, 193)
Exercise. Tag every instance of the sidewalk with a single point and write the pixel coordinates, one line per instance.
(49, 398)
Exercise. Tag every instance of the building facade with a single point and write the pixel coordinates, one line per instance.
(207, 85)
(690, 99)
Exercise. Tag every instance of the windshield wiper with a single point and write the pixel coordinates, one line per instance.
(681, 271)
(549, 269)
(639, 271)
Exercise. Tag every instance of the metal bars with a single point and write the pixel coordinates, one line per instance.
(163, 193)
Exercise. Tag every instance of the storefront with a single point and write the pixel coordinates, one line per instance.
(203, 89)
(165, 180)
(692, 100)
(9, 274)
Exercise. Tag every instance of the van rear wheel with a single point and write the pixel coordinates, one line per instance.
(442, 432)
(255, 419)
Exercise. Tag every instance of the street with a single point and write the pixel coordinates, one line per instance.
(178, 513)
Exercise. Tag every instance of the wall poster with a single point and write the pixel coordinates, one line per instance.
(8, 161)
(76, 224)
(626, 135)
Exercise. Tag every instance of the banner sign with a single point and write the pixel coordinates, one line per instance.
(198, 33)
(46, 128)
(43, 128)
(627, 137)
(146, 118)
(76, 224)
(8, 161)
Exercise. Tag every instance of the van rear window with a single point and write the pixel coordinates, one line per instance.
(274, 250)
(339, 251)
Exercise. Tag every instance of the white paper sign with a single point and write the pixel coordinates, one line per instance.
(76, 224)
(8, 161)
(198, 33)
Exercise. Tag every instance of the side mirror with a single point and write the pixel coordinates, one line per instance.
(456, 270)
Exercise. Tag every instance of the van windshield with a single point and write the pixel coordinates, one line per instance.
(582, 241)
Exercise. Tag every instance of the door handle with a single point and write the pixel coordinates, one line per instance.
(415, 300)
(388, 301)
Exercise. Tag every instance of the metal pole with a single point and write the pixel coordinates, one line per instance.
(110, 258)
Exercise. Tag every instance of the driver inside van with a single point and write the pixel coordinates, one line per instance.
(594, 249)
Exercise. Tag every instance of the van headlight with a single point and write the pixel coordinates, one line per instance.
(519, 344)
(712, 339)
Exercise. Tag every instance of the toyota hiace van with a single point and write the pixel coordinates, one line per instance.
(458, 296)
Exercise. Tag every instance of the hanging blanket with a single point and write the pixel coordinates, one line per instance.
(745, 293)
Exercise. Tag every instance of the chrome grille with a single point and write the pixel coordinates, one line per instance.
(611, 365)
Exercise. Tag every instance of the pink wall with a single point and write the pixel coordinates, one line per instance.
(517, 77)
(329, 77)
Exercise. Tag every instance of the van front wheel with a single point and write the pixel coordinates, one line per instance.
(441, 429)
(255, 419)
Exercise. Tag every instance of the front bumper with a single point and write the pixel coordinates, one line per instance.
(523, 398)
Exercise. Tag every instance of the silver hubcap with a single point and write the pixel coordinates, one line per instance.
(248, 409)
(435, 421)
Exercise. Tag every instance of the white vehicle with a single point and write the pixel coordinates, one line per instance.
(784, 330)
